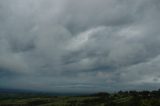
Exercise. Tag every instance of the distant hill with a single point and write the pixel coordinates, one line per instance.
(31, 92)
(8, 90)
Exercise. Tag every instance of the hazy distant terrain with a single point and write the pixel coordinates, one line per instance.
(127, 98)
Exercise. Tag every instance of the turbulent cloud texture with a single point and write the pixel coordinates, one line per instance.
(80, 45)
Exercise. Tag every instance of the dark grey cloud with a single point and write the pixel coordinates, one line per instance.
(79, 46)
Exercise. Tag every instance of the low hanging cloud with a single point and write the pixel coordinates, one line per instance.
(79, 46)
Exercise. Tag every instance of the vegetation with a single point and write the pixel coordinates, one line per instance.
(127, 98)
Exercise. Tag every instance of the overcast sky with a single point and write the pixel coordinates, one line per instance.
(80, 45)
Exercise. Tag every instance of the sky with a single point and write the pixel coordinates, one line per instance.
(80, 45)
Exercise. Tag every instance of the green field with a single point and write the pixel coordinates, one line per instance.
(129, 98)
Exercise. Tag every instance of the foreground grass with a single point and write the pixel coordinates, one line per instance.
(132, 98)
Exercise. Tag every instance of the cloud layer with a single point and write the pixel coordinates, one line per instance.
(80, 46)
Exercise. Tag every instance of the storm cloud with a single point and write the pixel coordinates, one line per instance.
(80, 46)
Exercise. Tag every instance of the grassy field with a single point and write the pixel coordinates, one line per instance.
(131, 98)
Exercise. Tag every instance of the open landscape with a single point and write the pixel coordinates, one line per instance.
(79, 52)
(121, 98)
